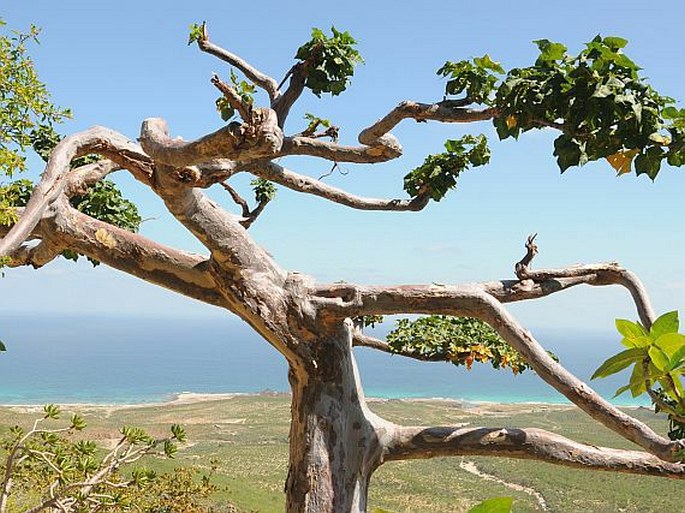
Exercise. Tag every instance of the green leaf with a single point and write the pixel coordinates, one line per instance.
(637, 381)
(630, 329)
(669, 343)
(619, 362)
(495, 505)
(667, 323)
(678, 358)
(659, 359)
(51, 411)
(645, 341)
(616, 43)
(621, 390)
(2, 346)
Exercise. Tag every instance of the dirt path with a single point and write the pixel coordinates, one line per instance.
(471, 467)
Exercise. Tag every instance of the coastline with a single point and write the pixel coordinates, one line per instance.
(189, 398)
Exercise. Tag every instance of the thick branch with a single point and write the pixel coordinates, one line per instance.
(81, 178)
(380, 150)
(259, 137)
(291, 180)
(282, 105)
(530, 443)
(445, 112)
(473, 301)
(176, 270)
(253, 74)
(54, 180)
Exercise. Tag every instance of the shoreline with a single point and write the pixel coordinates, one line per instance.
(186, 398)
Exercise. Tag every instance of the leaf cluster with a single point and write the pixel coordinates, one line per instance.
(599, 102)
(438, 173)
(329, 61)
(264, 190)
(475, 78)
(46, 461)
(460, 340)
(657, 356)
(25, 105)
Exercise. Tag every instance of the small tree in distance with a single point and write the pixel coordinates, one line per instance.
(598, 103)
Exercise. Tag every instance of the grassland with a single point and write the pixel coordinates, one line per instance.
(248, 435)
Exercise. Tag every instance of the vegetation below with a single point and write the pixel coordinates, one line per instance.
(248, 437)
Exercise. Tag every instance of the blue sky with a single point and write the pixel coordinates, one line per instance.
(116, 63)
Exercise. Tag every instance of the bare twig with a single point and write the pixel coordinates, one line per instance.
(253, 74)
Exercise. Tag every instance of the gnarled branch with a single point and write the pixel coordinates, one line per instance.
(529, 443)
(473, 300)
(261, 138)
(54, 180)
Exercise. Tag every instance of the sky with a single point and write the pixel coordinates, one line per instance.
(117, 63)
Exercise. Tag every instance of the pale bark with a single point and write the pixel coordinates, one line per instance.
(336, 443)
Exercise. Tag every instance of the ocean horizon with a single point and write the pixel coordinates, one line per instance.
(125, 360)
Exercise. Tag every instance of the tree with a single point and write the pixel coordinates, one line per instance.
(42, 469)
(597, 101)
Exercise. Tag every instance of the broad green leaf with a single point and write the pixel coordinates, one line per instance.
(659, 359)
(630, 329)
(496, 505)
(2, 346)
(669, 343)
(637, 381)
(622, 389)
(615, 43)
(678, 358)
(667, 323)
(619, 362)
(644, 341)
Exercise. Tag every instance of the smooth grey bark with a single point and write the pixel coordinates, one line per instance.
(336, 443)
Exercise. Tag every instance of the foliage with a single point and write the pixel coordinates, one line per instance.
(460, 340)
(26, 110)
(264, 190)
(329, 61)
(657, 356)
(46, 467)
(13, 195)
(474, 78)
(196, 33)
(438, 173)
(368, 320)
(244, 89)
(597, 99)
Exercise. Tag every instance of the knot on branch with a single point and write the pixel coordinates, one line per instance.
(522, 267)
(259, 138)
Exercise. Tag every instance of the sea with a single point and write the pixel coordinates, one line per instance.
(129, 360)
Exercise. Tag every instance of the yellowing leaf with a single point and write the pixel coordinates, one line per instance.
(622, 160)
(660, 139)
(511, 121)
(105, 238)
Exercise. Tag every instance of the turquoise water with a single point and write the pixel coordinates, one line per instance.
(124, 360)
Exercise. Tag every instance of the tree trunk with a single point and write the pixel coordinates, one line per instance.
(334, 447)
